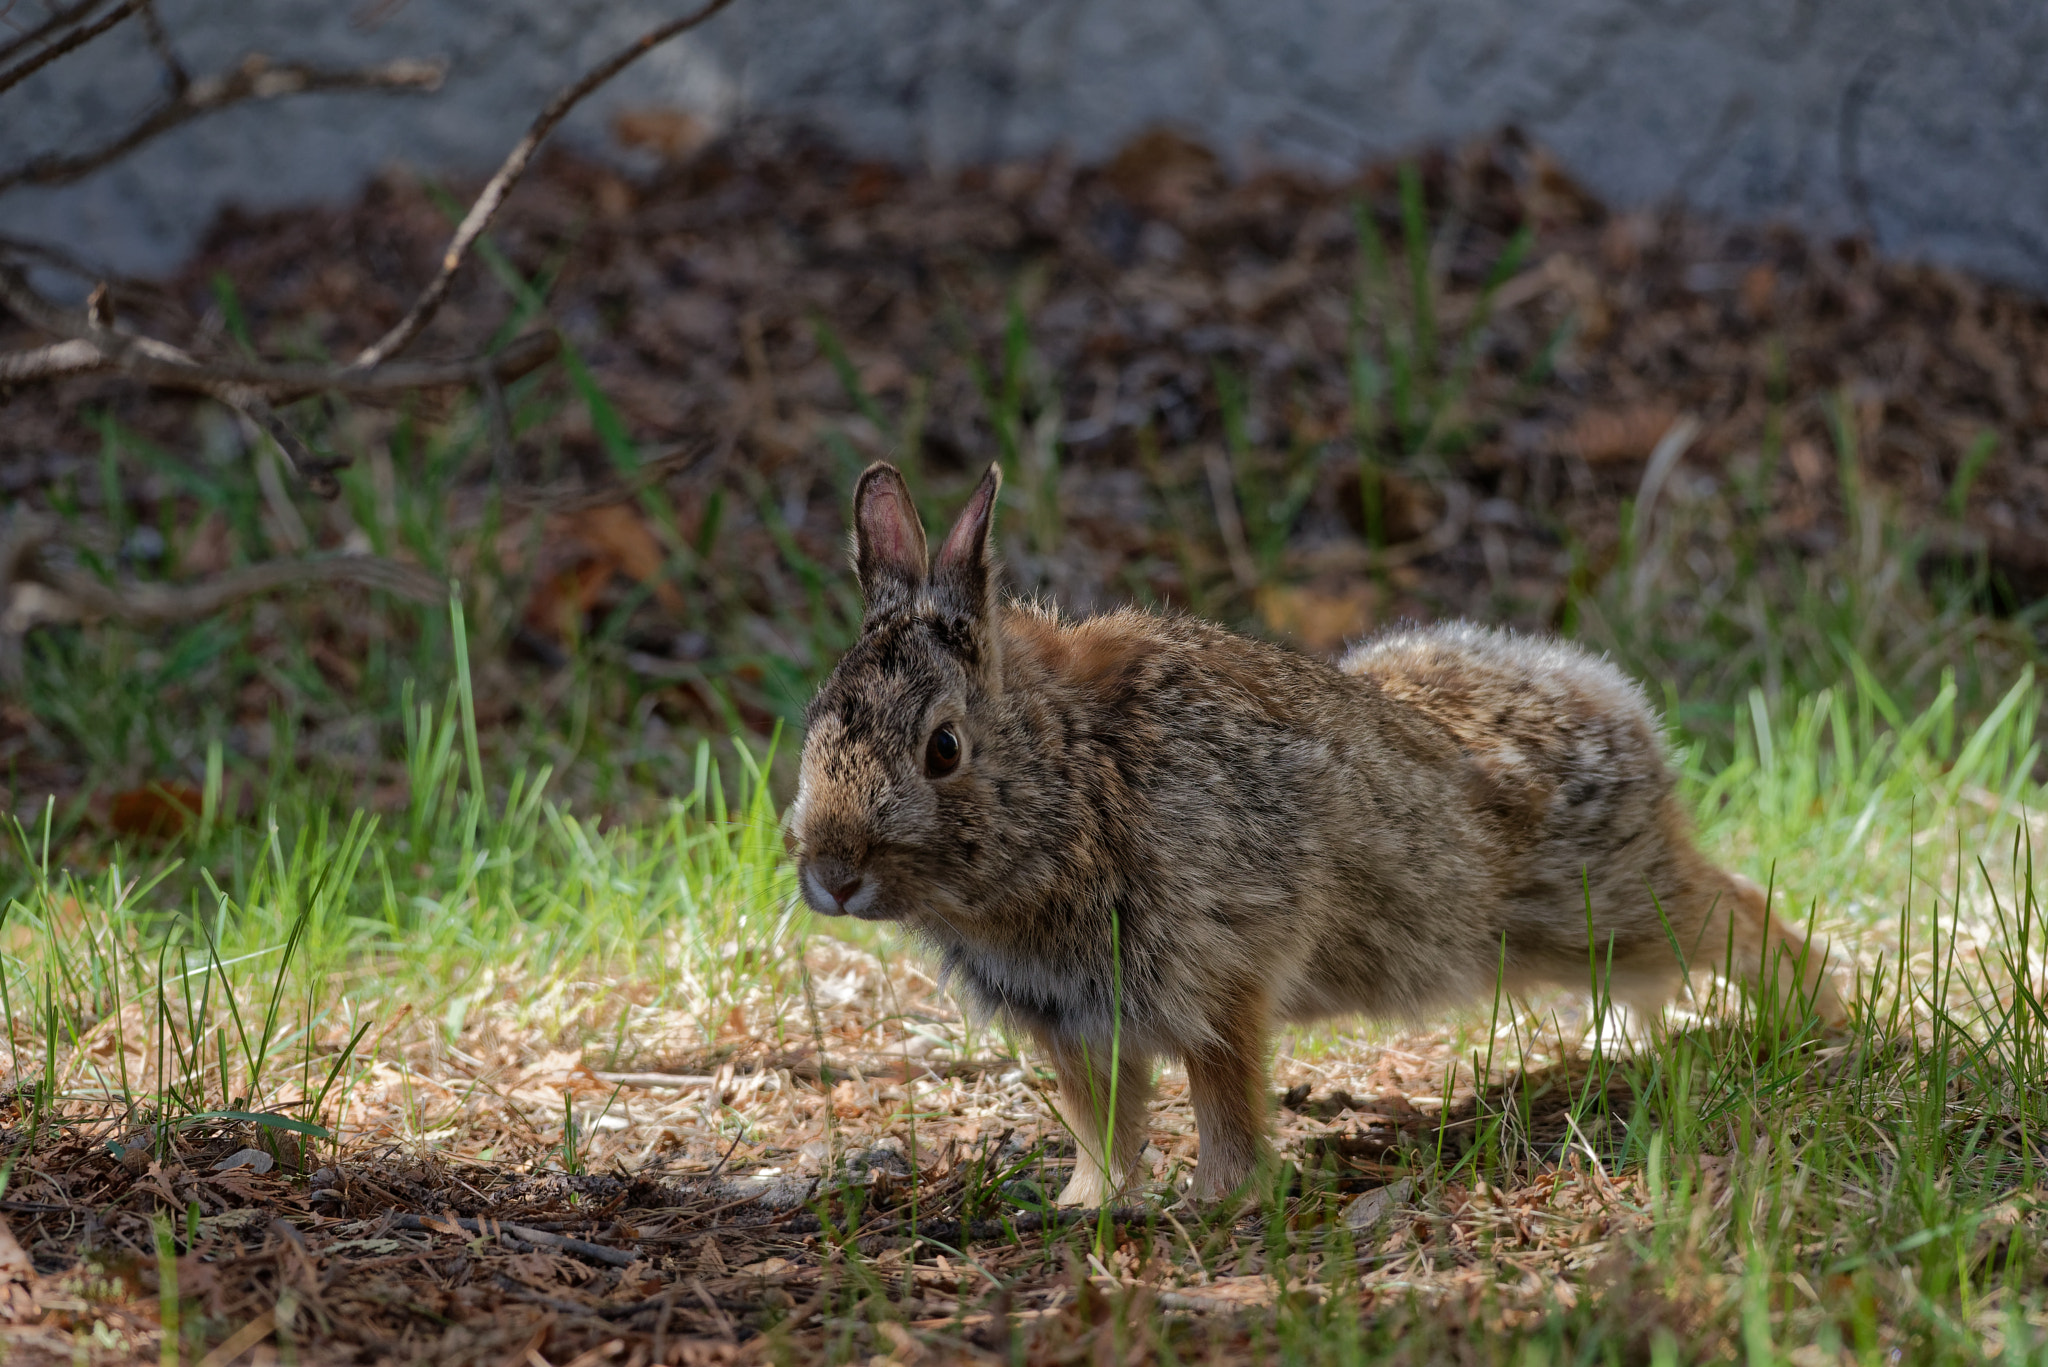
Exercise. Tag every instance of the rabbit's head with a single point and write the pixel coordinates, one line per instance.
(893, 790)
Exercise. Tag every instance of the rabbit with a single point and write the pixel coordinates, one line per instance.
(1139, 835)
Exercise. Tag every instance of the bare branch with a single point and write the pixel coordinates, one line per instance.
(37, 588)
(62, 19)
(315, 470)
(75, 357)
(257, 78)
(148, 603)
(51, 255)
(140, 355)
(162, 364)
(71, 41)
(160, 44)
(492, 198)
(94, 342)
(576, 498)
(23, 538)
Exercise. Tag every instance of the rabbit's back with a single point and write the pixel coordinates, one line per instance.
(1538, 715)
(1571, 774)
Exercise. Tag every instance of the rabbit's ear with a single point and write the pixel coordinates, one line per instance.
(961, 574)
(888, 540)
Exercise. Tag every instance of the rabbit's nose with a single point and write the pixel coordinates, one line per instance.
(832, 885)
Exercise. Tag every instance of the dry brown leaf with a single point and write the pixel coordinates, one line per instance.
(562, 600)
(1374, 1208)
(619, 533)
(587, 548)
(1809, 462)
(14, 1260)
(671, 134)
(1759, 291)
(1164, 172)
(1603, 436)
(156, 812)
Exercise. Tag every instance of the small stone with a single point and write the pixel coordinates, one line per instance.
(1372, 1210)
(256, 1160)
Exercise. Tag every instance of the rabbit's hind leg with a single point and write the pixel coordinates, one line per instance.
(1771, 960)
(1094, 1107)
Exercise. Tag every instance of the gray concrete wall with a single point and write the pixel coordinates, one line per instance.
(1921, 122)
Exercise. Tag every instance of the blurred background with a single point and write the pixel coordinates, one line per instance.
(425, 447)
(1917, 126)
(1702, 331)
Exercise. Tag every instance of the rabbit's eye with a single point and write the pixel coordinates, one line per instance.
(942, 752)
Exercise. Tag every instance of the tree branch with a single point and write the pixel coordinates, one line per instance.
(74, 357)
(55, 22)
(257, 78)
(77, 38)
(149, 604)
(96, 349)
(492, 198)
(160, 44)
(81, 593)
(92, 342)
(315, 470)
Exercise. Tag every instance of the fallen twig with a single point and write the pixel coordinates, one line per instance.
(976, 1231)
(490, 1229)
(69, 14)
(677, 1080)
(282, 383)
(492, 197)
(77, 38)
(154, 603)
(73, 357)
(36, 588)
(256, 78)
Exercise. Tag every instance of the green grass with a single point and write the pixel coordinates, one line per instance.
(1876, 1194)
(1856, 731)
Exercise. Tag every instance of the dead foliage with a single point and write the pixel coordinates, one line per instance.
(885, 1196)
(1165, 354)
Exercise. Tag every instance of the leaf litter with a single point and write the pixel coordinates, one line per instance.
(750, 1199)
(1172, 360)
(1310, 407)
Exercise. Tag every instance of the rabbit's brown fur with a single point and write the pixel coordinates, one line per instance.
(1165, 839)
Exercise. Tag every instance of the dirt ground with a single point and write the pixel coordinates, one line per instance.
(1170, 358)
(449, 1231)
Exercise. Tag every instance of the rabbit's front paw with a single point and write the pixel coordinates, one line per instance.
(1090, 1189)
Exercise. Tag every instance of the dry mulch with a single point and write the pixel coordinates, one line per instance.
(706, 301)
(749, 1203)
(724, 305)
(391, 1258)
